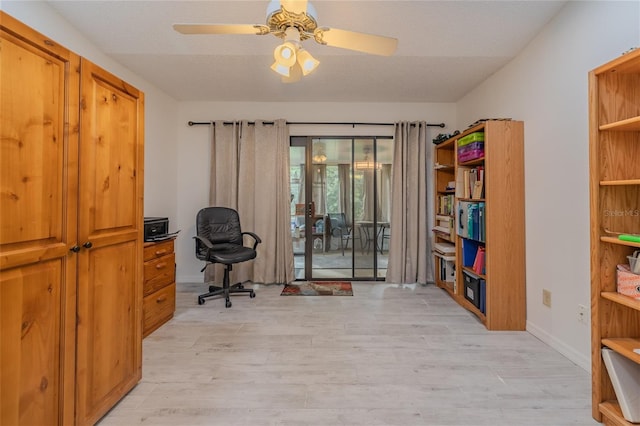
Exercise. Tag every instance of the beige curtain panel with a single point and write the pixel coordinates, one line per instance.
(250, 173)
(410, 259)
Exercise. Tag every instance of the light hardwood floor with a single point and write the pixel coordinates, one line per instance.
(389, 355)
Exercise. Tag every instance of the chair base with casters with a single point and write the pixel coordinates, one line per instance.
(226, 289)
(220, 240)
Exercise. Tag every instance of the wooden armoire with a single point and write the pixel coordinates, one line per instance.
(71, 222)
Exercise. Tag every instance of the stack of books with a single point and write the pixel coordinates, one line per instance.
(446, 252)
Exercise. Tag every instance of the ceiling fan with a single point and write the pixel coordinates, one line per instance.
(295, 21)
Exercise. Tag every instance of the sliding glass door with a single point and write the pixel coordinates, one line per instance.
(340, 206)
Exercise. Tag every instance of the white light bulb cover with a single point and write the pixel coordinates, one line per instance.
(280, 69)
(285, 54)
(307, 62)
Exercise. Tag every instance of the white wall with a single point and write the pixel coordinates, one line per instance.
(160, 109)
(546, 87)
(194, 153)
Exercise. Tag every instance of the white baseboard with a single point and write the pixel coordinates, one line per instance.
(573, 356)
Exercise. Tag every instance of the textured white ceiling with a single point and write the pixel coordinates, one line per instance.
(445, 48)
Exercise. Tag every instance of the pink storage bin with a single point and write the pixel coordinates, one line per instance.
(628, 283)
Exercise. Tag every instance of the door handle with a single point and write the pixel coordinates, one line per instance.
(75, 249)
(88, 245)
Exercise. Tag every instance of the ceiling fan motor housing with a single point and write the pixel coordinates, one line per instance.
(279, 20)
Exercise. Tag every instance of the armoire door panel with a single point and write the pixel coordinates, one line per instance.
(39, 116)
(32, 126)
(110, 224)
(108, 359)
(30, 300)
(110, 153)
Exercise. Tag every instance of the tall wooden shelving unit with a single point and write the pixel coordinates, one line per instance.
(614, 152)
(444, 172)
(504, 242)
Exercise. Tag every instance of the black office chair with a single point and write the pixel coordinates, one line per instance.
(339, 228)
(219, 239)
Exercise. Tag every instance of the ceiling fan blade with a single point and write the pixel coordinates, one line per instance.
(295, 6)
(361, 42)
(221, 29)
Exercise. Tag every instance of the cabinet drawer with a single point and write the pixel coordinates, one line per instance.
(159, 272)
(158, 308)
(155, 250)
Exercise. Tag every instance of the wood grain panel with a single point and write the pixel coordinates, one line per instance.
(505, 225)
(158, 308)
(159, 272)
(157, 249)
(39, 116)
(110, 225)
(111, 152)
(108, 328)
(32, 143)
(31, 300)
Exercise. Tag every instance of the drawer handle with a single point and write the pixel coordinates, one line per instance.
(161, 299)
(160, 265)
(159, 252)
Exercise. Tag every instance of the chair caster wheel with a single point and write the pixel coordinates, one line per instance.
(252, 295)
(227, 304)
(200, 301)
(212, 288)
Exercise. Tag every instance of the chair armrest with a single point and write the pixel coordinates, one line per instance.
(204, 241)
(255, 238)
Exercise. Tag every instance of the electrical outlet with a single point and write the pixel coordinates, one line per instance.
(546, 297)
(583, 314)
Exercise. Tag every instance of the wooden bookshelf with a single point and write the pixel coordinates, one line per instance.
(614, 150)
(504, 236)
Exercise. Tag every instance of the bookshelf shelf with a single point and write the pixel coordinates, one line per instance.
(611, 409)
(621, 299)
(476, 162)
(628, 125)
(479, 200)
(624, 346)
(614, 240)
(444, 167)
(498, 207)
(466, 268)
(620, 182)
(614, 147)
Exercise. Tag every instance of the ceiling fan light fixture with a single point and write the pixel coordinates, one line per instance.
(285, 54)
(281, 69)
(295, 74)
(307, 62)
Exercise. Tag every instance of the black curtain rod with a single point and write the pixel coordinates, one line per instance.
(200, 123)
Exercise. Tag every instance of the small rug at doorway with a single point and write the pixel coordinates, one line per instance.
(318, 288)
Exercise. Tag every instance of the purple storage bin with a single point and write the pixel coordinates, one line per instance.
(471, 151)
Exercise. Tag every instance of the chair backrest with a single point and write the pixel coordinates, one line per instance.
(338, 220)
(220, 225)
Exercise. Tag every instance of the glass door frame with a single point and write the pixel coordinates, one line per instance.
(306, 142)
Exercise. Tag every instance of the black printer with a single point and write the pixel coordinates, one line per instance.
(156, 228)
